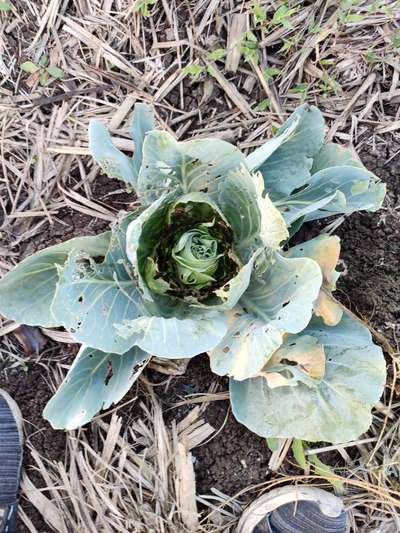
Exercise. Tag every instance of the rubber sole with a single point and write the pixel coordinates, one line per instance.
(288, 506)
(11, 446)
(15, 410)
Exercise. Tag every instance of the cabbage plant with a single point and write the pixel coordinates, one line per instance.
(205, 265)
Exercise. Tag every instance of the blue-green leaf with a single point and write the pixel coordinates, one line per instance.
(333, 191)
(190, 166)
(336, 410)
(95, 381)
(27, 291)
(91, 297)
(259, 156)
(283, 295)
(288, 167)
(143, 122)
(111, 160)
(173, 338)
(246, 348)
(335, 155)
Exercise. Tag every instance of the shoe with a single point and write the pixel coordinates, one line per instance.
(11, 446)
(294, 509)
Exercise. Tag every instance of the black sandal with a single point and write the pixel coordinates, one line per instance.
(11, 444)
(294, 509)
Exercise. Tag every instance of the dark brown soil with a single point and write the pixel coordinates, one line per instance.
(235, 458)
(371, 250)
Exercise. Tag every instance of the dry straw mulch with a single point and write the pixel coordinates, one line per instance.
(210, 67)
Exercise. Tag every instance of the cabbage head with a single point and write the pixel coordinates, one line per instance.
(204, 264)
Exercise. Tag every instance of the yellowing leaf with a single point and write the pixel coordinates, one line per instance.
(328, 309)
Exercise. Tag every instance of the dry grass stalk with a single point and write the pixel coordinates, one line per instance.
(236, 28)
(137, 478)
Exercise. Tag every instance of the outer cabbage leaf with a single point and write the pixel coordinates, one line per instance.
(333, 191)
(173, 338)
(111, 160)
(142, 123)
(246, 348)
(95, 381)
(91, 297)
(325, 250)
(303, 360)
(336, 410)
(284, 293)
(27, 291)
(335, 155)
(288, 167)
(256, 158)
(190, 166)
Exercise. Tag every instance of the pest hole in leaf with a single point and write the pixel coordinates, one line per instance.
(299, 189)
(135, 369)
(288, 362)
(109, 374)
(226, 349)
(80, 299)
(285, 304)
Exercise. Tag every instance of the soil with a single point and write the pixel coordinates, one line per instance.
(371, 250)
(235, 458)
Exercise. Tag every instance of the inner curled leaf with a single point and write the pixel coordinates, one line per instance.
(196, 256)
(192, 256)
